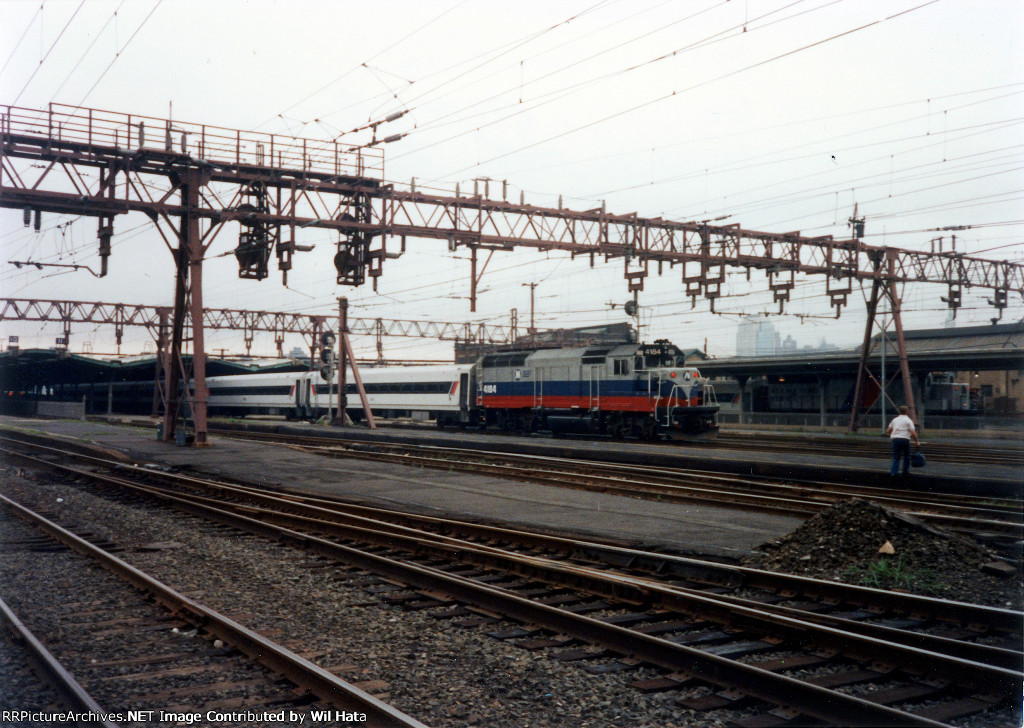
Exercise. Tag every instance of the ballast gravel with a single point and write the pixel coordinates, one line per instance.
(433, 669)
(438, 672)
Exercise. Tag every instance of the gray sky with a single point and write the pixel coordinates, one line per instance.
(775, 114)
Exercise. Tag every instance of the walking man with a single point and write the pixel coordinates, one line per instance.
(902, 431)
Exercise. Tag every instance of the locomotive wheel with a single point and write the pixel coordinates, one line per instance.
(649, 429)
(527, 422)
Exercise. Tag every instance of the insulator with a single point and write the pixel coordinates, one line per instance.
(27, 216)
(39, 220)
(396, 115)
(142, 134)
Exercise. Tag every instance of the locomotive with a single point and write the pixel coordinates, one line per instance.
(639, 390)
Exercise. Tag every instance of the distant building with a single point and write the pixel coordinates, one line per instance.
(756, 336)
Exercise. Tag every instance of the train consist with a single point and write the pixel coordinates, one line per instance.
(635, 390)
(626, 390)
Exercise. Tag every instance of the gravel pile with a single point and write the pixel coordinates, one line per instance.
(843, 542)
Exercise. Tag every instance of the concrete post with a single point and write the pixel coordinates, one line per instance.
(742, 381)
(919, 399)
(822, 384)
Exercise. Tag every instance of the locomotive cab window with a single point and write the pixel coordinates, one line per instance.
(621, 366)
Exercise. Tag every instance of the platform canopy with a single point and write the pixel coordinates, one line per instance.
(968, 348)
(29, 368)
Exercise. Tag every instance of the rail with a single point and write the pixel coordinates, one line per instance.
(299, 670)
(813, 700)
(55, 673)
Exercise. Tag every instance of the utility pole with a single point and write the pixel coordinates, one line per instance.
(532, 329)
(342, 360)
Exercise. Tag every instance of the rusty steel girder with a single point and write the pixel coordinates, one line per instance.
(275, 322)
(102, 164)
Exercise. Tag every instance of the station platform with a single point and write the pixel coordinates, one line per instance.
(829, 463)
(689, 529)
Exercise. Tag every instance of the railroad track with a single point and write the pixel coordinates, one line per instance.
(178, 655)
(994, 518)
(69, 692)
(913, 660)
(1010, 454)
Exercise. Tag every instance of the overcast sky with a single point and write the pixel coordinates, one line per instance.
(779, 115)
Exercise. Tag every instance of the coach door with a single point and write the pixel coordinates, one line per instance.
(301, 397)
(464, 403)
(595, 385)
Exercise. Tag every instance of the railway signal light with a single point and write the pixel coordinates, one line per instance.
(327, 340)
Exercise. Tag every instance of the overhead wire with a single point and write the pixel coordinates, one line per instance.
(17, 45)
(361, 65)
(572, 88)
(48, 52)
(118, 53)
(769, 157)
(480, 101)
(808, 194)
(493, 53)
(692, 87)
(760, 131)
(975, 130)
(86, 52)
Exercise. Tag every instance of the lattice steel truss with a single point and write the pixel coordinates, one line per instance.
(120, 315)
(196, 178)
